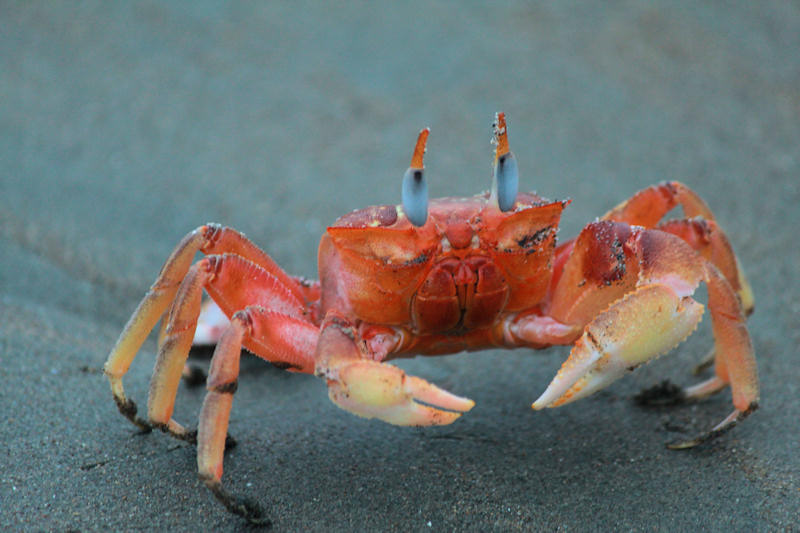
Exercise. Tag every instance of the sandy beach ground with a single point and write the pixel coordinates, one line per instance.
(125, 125)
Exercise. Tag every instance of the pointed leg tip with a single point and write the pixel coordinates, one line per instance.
(547, 403)
(547, 400)
(726, 425)
(245, 508)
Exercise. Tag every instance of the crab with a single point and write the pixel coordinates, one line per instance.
(441, 277)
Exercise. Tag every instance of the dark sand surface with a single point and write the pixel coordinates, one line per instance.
(124, 126)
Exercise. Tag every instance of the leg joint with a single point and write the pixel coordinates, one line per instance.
(211, 234)
(211, 265)
(244, 318)
(226, 388)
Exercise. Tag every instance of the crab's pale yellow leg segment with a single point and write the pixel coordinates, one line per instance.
(643, 325)
(174, 348)
(145, 317)
(378, 390)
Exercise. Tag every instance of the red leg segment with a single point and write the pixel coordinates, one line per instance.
(648, 206)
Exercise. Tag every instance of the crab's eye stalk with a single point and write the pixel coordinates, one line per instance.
(506, 177)
(415, 190)
(505, 182)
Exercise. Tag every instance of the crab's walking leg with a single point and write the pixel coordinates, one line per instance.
(734, 362)
(220, 276)
(215, 414)
(372, 389)
(657, 315)
(648, 206)
(289, 337)
(207, 239)
(144, 318)
(710, 241)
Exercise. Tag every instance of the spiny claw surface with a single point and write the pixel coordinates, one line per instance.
(378, 390)
(619, 340)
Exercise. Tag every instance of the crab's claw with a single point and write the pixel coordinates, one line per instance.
(378, 390)
(618, 341)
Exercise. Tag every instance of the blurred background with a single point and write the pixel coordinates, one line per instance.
(125, 125)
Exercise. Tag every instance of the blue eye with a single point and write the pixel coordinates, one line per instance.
(415, 196)
(505, 181)
(506, 177)
(415, 189)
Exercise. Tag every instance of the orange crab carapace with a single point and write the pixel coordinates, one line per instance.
(440, 277)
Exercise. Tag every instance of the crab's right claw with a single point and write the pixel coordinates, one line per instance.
(378, 390)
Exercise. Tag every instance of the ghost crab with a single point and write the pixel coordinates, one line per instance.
(441, 277)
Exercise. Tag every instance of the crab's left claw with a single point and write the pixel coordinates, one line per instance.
(378, 390)
(618, 340)
(653, 319)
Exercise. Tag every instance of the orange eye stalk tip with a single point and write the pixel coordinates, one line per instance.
(419, 149)
(500, 135)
